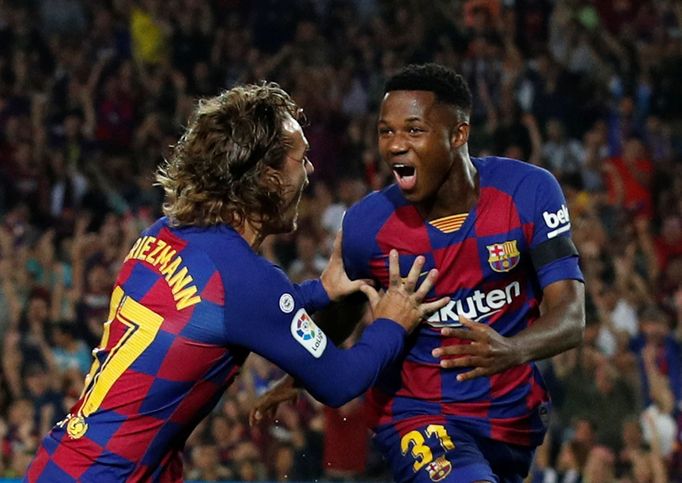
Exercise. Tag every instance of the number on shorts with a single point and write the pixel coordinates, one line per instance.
(414, 443)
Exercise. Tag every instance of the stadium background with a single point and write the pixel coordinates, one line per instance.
(93, 93)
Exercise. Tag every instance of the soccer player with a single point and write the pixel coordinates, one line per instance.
(193, 298)
(466, 403)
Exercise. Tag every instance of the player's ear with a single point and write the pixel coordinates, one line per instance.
(460, 134)
(272, 178)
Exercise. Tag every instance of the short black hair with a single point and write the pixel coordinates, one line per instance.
(448, 86)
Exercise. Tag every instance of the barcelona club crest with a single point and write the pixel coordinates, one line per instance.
(504, 256)
(439, 468)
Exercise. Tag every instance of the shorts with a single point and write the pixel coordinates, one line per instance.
(446, 453)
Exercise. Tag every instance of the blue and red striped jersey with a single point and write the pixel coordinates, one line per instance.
(188, 306)
(494, 262)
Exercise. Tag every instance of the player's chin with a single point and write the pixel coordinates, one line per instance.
(290, 222)
(412, 195)
(289, 219)
(286, 223)
(421, 193)
(293, 226)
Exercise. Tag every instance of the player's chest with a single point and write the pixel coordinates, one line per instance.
(471, 249)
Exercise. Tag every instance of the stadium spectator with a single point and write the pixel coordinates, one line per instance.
(50, 83)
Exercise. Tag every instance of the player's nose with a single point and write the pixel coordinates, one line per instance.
(397, 145)
(309, 168)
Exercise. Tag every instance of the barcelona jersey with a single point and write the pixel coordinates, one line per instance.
(188, 306)
(493, 262)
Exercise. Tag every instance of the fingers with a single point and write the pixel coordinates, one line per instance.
(469, 323)
(431, 307)
(265, 410)
(458, 333)
(394, 280)
(413, 275)
(357, 284)
(476, 362)
(257, 416)
(466, 376)
(410, 282)
(473, 354)
(455, 350)
(371, 294)
(336, 251)
(472, 330)
(426, 285)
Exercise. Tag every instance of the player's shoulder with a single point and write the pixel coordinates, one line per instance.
(253, 281)
(219, 248)
(507, 174)
(361, 224)
(155, 228)
(230, 251)
(374, 208)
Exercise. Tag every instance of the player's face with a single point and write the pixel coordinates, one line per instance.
(295, 171)
(415, 141)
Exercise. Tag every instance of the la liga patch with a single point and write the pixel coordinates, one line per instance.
(308, 334)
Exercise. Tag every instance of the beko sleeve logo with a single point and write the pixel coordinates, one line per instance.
(558, 221)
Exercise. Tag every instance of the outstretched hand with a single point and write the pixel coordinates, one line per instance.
(334, 278)
(403, 300)
(488, 353)
(266, 405)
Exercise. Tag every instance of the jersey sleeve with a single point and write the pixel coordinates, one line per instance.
(313, 295)
(354, 247)
(266, 314)
(553, 253)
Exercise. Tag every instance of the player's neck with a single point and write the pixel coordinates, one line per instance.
(252, 234)
(458, 193)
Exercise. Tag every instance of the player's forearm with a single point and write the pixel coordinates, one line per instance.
(313, 294)
(560, 328)
(351, 372)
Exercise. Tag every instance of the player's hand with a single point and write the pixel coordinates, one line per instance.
(334, 278)
(266, 405)
(402, 302)
(487, 353)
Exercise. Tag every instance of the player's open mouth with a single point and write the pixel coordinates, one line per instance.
(405, 176)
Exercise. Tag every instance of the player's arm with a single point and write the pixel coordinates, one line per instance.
(333, 285)
(334, 376)
(558, 329)
(340, 319)
(561, 325)
(337, 320)
(341, 280)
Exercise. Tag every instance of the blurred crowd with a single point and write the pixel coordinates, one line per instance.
(92, 94)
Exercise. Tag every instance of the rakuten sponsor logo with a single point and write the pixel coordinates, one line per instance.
(476, 306)
(557, 219)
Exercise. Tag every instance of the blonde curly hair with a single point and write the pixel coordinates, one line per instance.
(224, 167)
